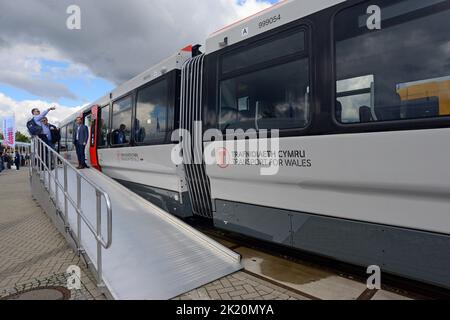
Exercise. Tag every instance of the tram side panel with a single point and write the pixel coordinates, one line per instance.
(372, 188)
(375, 198)
(148, 171)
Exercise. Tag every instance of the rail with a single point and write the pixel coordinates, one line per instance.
(46, 162)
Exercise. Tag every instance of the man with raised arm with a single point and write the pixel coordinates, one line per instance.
(38, 116)
(35, 124)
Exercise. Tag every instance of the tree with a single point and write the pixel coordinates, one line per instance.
(1, 136)
(20, 137)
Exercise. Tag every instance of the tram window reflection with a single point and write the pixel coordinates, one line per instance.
(63, 142)
(104, 127)
(152, 122)
(408, 59)
(121, 123)
(272, 98)
(70, 136)
(353, 94)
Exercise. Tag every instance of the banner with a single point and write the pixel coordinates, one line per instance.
(9, 129)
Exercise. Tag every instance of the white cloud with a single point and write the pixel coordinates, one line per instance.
(119, 39)
(22, 111)
(248, 7)
(22, 67)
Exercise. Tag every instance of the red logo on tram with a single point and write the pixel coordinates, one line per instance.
(222, 156)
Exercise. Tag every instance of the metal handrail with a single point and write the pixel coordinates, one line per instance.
(40, 150)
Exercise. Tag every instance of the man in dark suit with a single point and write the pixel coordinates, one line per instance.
(80, 140)
(49, 133)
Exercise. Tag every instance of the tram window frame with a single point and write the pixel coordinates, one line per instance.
(269, 41)
(66, 137)
(385, 125)
(170, 123)
(131, 96)
(70, 139)
(63, 141)
(259, 41)
(107, 144)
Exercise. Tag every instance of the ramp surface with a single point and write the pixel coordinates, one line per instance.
(154, 255)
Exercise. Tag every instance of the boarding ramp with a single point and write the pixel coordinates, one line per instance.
(136, 250)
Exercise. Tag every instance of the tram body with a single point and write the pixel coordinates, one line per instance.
(359, 92)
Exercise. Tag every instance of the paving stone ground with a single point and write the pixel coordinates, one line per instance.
(33, 254)
(241, 286)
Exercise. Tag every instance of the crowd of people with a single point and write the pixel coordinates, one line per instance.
(8, 160)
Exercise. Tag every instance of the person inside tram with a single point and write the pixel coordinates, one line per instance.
(103, 140)
(139, 131)
(365, 114)
(120, 135)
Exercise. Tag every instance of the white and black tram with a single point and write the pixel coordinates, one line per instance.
(360, 93)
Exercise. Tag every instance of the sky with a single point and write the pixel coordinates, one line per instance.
(43, 63)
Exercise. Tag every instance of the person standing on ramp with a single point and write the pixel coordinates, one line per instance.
(81, 138)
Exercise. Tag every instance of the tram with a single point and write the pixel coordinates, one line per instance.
(359, 93)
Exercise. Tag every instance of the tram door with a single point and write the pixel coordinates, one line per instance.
(87, 123)
(93, 136)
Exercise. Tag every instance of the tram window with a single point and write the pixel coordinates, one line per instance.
(104, 127)
(243, 104)
(66, 140)
(351, 94)
(121, 121)
(63, 143)
(88, 120)
(273, 49)
(70, 137)
(152, 122)
(272, 98)
(399, 72)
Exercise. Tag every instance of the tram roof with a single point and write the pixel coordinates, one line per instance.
(172, 63)
(287, 10)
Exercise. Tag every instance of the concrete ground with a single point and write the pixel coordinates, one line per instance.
(33, 254)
